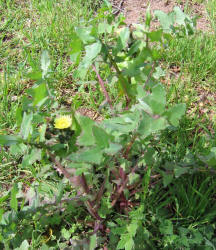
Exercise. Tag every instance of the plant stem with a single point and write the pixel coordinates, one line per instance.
(121, 188)
(89, 204)
(122, 80)
(101, 82)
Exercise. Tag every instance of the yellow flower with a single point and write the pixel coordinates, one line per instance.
(62, 122)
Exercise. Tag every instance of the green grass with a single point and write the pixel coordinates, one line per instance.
(28, 27)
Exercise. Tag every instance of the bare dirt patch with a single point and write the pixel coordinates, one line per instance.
(135, 10)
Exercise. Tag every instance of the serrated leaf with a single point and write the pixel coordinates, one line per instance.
(85, 34)
(126, 242)
(129, 244)
(166, 20)
(175, 113)
(132, 228)
(31, 158)
(179, 16)
(18, 149)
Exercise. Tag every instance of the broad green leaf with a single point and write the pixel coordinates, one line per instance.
(92, 155)
(175, 113)
(166, 20)
(86, 138)
(167, 179)
(76, 50)
(101, 137)
(123, 124)
(139, 62)
(92, 52)
(104, 28)
(135, 47)
(180, 16)
(124, 36)
(39, 94)
(148, 125)
(113, 149)
(18, 149)
(8, 140)
(13, 201)
(35, 75)
(26, 126)
(157, 99)
(29, 159)
(45, 63)
(156, 35)
(23, 246)
(122, 40)
(85, 34)
(93, 242)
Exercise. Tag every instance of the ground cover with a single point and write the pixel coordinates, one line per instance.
(139, 184)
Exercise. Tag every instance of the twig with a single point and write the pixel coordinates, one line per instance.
(118, 8)
(101, 82)
(100, 193)
(125, 155)
(121, 189)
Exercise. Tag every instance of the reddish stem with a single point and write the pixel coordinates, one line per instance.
(101, 82)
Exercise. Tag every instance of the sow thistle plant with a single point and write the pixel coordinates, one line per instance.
(108, 164)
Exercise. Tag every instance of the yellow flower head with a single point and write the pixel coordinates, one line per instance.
(63, 122)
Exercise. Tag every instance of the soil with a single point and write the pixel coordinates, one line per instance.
(134, 10)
